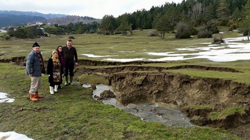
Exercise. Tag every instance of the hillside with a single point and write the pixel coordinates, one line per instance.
(17, 20)
(31, 13)
(71, 19)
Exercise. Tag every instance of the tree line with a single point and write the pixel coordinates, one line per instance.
(182, 17)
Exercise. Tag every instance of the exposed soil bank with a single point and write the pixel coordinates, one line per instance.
(22, 60)
(183, 91)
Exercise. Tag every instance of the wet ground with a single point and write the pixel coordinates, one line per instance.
(232, 50)
(147, 112)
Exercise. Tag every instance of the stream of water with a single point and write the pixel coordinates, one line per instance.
(146, 111)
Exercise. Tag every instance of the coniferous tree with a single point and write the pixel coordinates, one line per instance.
(108, 24)
(245, 24)
(163, 24)
(209, 13)
(237, 14)
(223, 10)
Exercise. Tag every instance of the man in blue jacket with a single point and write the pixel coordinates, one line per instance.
(34, 69)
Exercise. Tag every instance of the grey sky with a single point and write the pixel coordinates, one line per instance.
(92, 8)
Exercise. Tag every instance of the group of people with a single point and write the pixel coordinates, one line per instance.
(62, 61)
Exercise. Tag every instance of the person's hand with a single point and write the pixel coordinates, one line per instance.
(76, 63)
(30, 75)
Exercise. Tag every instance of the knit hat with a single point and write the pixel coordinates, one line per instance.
(35, 45)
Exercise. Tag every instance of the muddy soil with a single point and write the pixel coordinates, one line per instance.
(182, 91)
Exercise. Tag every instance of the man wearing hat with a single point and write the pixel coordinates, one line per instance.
(34, 69)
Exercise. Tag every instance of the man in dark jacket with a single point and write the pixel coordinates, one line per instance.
(69, 53)
(34, 69)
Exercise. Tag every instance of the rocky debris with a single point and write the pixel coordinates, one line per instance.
(106, 94)
(93, 87)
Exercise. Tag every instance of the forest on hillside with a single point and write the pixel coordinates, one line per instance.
(182, 17)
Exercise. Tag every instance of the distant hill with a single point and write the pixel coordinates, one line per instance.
(30, 13)
(71, 19)
(16, 18)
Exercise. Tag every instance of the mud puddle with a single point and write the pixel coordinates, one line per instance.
(146, 111)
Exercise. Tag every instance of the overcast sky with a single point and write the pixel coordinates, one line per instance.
(91, 8)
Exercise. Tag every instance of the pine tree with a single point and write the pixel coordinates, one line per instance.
(223, 10)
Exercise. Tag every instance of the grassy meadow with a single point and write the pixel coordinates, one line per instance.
(72, 114)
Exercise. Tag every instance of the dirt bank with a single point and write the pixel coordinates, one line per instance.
(22, 60)
(183, 91)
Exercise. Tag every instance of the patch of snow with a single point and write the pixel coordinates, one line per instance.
(95, 56)
(4, 98)
(168, 59)
(124, 60)
(13, 136)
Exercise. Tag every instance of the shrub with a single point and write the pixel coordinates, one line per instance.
(5, 37)
(232, 27)
(153, 33)
(204, 34)
(193, 31)
(212, 26)
(183, 30)
(245, 32)
(230, 23)
(71, 37)
(195, 24)
(223, 22)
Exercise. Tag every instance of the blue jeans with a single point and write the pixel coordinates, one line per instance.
(69, 66)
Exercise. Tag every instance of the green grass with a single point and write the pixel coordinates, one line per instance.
(199, 107)
(116, 45)
(73, 114)
(223, 114)
(235, 76)
(92, 79)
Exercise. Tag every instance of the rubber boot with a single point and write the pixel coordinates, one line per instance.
(59, 87)
(71, 80)
(66, 81)
(51, 90)
(56, 87)
(32, 97)
(37, 95)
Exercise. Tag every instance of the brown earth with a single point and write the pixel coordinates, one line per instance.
(182, 91)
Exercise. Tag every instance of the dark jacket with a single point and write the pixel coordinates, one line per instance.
(50, 71)
(69, 54)
(33, 65)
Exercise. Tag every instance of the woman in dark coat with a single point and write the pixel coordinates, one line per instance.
(54, 70)
(61, 58)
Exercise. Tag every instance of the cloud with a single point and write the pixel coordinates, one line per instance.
(92, 8)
